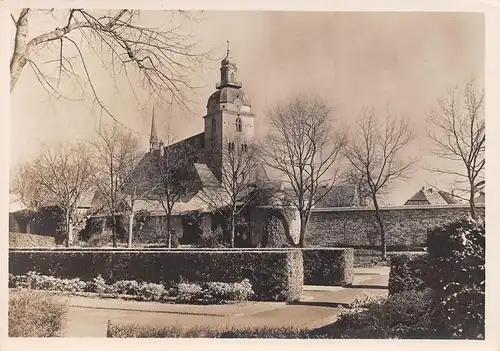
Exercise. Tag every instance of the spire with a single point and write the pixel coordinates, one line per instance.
(153, 138)
(228, 71)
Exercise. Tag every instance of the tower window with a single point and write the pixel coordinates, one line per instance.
(244, 147)
(238, 124)
(231, 146)
(232, 76)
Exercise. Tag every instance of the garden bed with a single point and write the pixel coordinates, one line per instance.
(185, 293)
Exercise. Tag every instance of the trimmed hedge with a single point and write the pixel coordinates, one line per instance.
(457, 251)
(402, 316)
(408, 272)
(30, 240)
(274, 275)
(329, 266)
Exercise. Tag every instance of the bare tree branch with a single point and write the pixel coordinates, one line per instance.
(238, 183)
(376, 154)
(164, 58)
(303, 148)
(457, 129)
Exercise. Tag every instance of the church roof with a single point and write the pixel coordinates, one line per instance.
(230, 94)
(205, 175)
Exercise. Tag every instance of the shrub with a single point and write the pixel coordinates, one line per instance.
(35, 314)
(457, 257)
(178, 331)
(222, 292)
(151, 292)
(100, 239)
(275, 233)
(30, 240)
(274, 275)
(187, 292)
(408, 272)
(329, 266)
(403, 316)
(126, 287)
(213, 238)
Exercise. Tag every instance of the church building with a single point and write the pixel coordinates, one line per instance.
(228, 122)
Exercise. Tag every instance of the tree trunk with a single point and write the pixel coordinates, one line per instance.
(113, 231)
(169, 231)
(472, 202)
(130, 228)
(69, 229)
(232, 229)
(378, 217)
(18, 59)
(304, 221)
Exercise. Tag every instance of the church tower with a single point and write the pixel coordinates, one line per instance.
(229, 121)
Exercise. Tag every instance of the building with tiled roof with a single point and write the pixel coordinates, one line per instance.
(429, 196)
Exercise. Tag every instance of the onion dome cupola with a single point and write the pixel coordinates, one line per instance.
(228, 72)
(228, 88)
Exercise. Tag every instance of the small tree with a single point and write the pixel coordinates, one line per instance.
(457, 128)
(117, 156)
(376, 153)
(237, 186)
(62, 174)
(25, 187)
(302, 146)
(173, 179)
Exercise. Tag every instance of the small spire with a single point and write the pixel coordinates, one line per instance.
(227, 47)
(153, 138)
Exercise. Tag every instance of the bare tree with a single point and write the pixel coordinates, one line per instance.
(302, 146)
(117, 156)
(237, 186)
(457, 128)
(162, 58)
(24, 186)
(173, 179)
(376, 153)
(63, 174)
(137, 186)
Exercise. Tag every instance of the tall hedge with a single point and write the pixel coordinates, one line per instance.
(457, 277)
(328, 266)
(408, 272)
(274, 275)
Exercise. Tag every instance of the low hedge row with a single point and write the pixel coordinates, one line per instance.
(207, 293)
(30, 240)
(274, 275)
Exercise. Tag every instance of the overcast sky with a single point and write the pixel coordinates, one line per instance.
(401, 60)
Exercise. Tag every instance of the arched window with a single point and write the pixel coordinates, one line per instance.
(214, 125)
(238, 124)
(231, 146)
(232, 76)
(244, 147)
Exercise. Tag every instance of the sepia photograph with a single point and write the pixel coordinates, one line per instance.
(246, 174)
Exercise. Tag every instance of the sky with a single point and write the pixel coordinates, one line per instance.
(404, 60)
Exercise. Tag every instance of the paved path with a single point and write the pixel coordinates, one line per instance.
(318, 306)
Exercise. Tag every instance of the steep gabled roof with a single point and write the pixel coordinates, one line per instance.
(432, 197)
